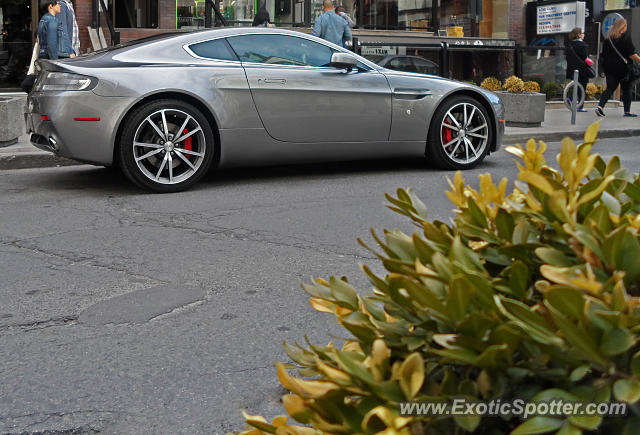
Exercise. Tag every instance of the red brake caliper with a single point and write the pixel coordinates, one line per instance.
(187, 144)
(447, 135)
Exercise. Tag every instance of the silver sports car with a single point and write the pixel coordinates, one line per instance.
(167, 109)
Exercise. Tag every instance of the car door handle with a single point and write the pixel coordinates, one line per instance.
(276, 81)
(411, 94)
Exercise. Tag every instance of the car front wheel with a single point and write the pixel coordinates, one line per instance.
(460, 134)
(166, 146)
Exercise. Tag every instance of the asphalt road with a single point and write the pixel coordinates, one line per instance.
(126, 312)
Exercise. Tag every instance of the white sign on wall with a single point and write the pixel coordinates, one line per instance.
(560, 18)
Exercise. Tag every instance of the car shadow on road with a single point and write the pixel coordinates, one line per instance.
(112, 181)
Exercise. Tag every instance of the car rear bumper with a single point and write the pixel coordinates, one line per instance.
(75, 124)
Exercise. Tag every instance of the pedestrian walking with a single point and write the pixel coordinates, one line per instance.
(262, 18)
(340, 10)
(54, 41)
(576, 54)
(69, 23)
(618, 53)
(331, 26)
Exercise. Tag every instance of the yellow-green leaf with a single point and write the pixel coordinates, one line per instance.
(627, 390)
(616, 341)
(579, 373)
(412, 375)
(591, 135)
(537, 425)
(569, 429)
(468, 422)
(537, 181)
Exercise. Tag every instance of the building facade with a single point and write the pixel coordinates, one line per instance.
(479, 26)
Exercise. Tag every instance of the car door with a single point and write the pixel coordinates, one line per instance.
(301, 99)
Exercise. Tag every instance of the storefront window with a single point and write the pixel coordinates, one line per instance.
(616, 4)
(493, 23)
(136, 13)
(386, 14)
(189, 14)
(241, 12)
(15, 45)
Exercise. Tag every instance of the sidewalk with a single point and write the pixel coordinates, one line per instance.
(556, 126)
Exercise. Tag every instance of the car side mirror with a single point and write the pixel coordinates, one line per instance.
(343, 60)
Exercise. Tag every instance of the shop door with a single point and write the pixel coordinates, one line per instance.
(15, 43)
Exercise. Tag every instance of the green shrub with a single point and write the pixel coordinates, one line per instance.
(532, 294)
(551, 89)
(491, 84)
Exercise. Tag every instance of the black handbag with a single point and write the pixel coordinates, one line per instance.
(634, 71)
(589, 71)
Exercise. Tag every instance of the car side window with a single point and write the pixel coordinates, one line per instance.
(425, 67)
(401, 64)
(215, 49)
(281, 50)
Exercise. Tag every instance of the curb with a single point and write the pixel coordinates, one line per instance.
(576, 135)
(33, 160)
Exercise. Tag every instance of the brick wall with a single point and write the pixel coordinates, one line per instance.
(517, 20)
(84, 8)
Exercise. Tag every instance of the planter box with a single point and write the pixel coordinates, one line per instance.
(523, 110)
(11, 119)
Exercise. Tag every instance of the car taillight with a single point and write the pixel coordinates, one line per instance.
(61, 81)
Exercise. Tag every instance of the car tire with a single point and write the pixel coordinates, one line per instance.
(166, 146)
(460, 134)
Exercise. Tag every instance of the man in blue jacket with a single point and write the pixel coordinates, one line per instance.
(67, 17)
(331, 26)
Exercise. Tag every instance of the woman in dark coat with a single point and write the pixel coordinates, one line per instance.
(576, 53)
(615, 68)
(262, 18)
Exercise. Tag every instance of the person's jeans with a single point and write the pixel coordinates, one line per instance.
(612, 84)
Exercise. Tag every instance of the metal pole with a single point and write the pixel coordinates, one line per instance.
(207, 14)
(574, 99)
(598, 51)
(95, 21)
(444, 60)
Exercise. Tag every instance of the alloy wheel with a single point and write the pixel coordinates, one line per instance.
(169, 146)
(464, 133)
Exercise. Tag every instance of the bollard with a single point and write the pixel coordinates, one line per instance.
(574, 99)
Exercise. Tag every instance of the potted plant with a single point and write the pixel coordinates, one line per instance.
(524, 105)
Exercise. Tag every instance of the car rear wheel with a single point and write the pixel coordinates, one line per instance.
(460, 134)
(166, 146)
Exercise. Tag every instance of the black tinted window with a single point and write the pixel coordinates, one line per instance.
(215, 49)
(401, 64)
(280, 49)
(425, 67)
